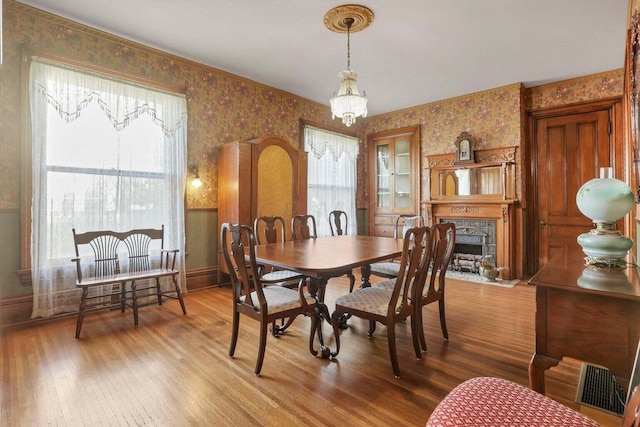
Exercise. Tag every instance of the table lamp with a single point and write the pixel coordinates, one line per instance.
(605, 200)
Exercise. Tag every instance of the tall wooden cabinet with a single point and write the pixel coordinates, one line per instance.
(394, 177)
(265, 176)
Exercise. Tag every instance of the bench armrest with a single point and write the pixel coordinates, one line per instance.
(164, 260)
(78, 269)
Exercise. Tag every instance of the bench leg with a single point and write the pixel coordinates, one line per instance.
(83, 305)
(134, 302)
(179, 294)
(123, 295)
(158, 291)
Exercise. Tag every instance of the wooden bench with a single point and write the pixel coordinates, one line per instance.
(105, 271)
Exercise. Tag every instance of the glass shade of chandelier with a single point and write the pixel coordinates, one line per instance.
(348, 103)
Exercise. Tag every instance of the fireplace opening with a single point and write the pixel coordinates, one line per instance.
(469, 249)
(475, 240)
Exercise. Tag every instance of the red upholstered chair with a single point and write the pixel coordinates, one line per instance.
(495, 402)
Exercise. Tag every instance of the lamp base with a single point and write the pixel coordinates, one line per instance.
(605, 249)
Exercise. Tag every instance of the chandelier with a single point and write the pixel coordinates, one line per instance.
(348, 103)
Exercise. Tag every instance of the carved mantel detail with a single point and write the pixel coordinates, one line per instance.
(505, 154)
(465, 210)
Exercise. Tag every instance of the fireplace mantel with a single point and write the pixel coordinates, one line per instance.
(502, 212)
(483, 190)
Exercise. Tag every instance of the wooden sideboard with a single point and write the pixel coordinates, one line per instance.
(585, 313)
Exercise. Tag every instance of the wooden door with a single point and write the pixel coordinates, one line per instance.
(568, 151)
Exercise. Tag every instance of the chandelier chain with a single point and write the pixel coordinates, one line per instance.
(348, 47)
(348, 22)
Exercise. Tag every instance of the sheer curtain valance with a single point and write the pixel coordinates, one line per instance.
(332, 177)
(321, 143)
(70, 91)
(107, 154)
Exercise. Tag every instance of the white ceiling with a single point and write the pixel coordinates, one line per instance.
(414, 52)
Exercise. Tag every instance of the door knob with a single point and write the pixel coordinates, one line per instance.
(542, 223)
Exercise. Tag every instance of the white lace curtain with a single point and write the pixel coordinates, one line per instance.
(332, 177)
(106, 155)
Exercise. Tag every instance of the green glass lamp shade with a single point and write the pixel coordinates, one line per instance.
(604, 201)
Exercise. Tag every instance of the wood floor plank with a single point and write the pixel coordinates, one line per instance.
(175, 370)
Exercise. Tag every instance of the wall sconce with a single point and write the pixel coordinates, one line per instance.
(196, 183)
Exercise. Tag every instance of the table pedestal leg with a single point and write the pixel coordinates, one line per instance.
(316, 290)
(365, 270)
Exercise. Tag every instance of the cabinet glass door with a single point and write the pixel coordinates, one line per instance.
(402, 175)
(383, 157)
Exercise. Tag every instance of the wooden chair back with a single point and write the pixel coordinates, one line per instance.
(105, 246)
(244, 275)
(138, 243)
(336, 219)
(269, 229)
(414, 265)
(303, 227)
(444, 239)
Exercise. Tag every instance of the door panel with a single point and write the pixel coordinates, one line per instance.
(569, 151)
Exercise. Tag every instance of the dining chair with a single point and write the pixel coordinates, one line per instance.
(389, 269)
(266, 304)
(443, 237)
(303, 227)
(271, 229)
(391, 306)
(336, 220)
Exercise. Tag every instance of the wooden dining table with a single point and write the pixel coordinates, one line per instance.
(326, 257)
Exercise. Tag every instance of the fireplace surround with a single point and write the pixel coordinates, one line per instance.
(487, 211)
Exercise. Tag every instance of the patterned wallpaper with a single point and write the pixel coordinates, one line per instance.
(223, 107)
(597, 86)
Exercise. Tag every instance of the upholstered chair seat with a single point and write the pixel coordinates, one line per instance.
(496, 402)
(278, 299)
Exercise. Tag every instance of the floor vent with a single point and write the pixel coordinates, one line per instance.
(598, 389)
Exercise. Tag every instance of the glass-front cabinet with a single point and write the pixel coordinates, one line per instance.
(394, 177)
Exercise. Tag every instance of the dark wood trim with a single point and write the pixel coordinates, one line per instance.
(200, 209)
(202, 278)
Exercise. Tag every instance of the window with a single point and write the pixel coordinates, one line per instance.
(106, 155)
(332, 177)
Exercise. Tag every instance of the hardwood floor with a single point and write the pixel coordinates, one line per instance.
(175, 370)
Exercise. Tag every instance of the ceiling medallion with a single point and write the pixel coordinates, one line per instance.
(335, 19)
(348, 104)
